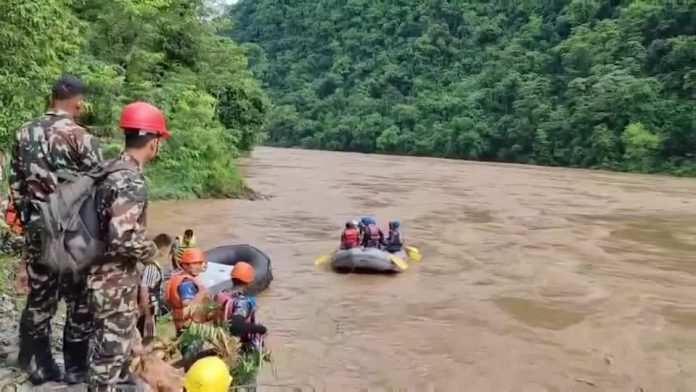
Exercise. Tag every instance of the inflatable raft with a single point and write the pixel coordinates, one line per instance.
(221, 261)
(365, 260)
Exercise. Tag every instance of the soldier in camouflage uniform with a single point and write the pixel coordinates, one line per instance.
(113, 283)
(48, 144)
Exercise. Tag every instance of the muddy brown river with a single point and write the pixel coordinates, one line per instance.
(533, 279)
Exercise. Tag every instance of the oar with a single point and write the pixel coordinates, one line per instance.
(413, 253)
(398, 262)
(321, 260)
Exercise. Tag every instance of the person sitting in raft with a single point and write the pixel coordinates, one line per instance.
(350, 238)
(237, 307)
(187, 241)
(374, 236)
(395, 240)
(185, 289)
(362, 225)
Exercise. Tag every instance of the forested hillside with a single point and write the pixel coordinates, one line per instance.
(605, 84)
(163, 51)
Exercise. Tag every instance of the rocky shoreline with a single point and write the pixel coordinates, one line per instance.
(11, 379)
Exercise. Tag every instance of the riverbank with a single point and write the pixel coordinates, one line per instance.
(185, 177)
(11, 305)
(12, 301)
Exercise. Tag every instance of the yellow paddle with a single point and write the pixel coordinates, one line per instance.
(398, 262)
(413, 253)
(321, 260)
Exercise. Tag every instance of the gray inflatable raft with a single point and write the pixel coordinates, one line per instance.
(365, 260)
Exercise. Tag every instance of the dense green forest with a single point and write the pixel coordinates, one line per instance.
(168, 52)
(603, 84)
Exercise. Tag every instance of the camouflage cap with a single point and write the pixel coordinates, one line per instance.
(67, 87)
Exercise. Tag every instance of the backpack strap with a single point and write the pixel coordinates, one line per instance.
(65, 176)
(103, 170)
(98, 173)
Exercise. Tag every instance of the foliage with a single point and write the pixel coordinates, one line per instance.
(167, 52)
(247, 367)
(532, 81)
(215, 335)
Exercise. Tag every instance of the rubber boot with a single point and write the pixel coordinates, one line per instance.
(75, 357)
(27, 344)
(26, 351)
(46, 367)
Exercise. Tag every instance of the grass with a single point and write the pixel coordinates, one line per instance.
(7, 266)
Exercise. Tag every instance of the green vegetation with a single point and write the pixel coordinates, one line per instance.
(214, 335)
(602, 84)
(7, 266)
(167, 52)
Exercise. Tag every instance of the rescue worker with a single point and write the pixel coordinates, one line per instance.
(113, 283)
(188, 240)
(52, 143)
(373, 237)
(208, 374)
(237, 307)
(395, 240)
(185, 289)
(350, 238)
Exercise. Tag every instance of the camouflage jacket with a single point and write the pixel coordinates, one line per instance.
(122, 210)
(51, 143)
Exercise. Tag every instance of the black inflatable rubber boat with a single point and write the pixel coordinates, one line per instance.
(221, 261)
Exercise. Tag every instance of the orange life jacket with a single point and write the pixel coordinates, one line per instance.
(12, 218)
(350, 238)
(171, 296)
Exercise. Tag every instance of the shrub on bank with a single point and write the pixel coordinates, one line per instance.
(167, 52)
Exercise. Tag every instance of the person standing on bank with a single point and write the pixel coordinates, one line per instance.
(113, 283)
(54, 142)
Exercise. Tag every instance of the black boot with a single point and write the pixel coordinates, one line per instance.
(26, 351)
(75, 357)
(46, 367)
(27, 345)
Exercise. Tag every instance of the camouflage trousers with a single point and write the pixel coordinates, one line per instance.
(113, 297)
(46, 288)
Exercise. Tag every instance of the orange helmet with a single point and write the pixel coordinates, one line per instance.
(243, 272)
(192, 255)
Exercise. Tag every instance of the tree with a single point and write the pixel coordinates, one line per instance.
(550, 82)
(168, 52)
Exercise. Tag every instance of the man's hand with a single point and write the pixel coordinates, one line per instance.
(149, 326)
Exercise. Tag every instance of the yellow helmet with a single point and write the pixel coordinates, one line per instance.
(209, 374)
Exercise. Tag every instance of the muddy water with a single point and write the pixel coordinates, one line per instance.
(533, 279)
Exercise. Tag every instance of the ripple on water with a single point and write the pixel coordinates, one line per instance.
(540, 315)
(680, 316)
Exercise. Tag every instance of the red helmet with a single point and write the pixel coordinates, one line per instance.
(144, 117)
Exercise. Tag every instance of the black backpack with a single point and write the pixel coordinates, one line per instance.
(70, 234)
